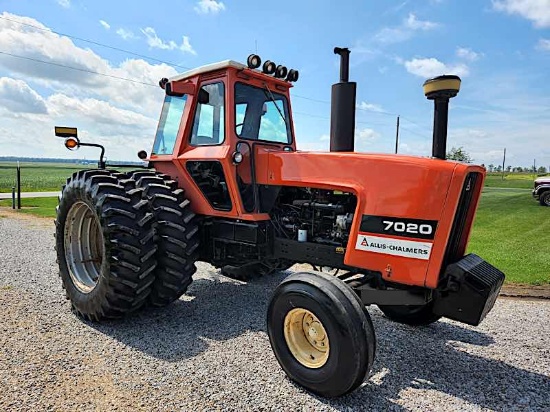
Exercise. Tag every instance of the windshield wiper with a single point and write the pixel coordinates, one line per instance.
(270, 97)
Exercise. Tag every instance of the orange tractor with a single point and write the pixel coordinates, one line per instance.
(225, 185)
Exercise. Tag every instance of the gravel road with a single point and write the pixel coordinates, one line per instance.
(209, 351)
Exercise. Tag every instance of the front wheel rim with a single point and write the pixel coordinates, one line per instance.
(306, 338)
(84, 246)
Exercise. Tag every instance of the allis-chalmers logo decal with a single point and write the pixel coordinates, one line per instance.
(399, 227)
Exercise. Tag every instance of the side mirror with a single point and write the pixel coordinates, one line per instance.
(204, 97)
(264, 109)
(179, 88)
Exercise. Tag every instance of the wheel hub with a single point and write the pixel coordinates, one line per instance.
(84, 246)
(306, 338)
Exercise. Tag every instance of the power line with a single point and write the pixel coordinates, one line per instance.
(174, 65)
(410, 131)
(156, 60)
(76, 68)
(136, 81)
(96, 43)
(357, 108)
(416, 124)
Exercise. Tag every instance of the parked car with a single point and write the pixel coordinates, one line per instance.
(541, 190)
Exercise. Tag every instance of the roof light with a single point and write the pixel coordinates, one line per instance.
(292, 75)
(281, 71)
(269, 67)
(253, 61)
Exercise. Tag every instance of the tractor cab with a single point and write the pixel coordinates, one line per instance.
(213, 120)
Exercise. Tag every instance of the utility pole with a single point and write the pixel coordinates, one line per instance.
(503, 163)
(397, 135)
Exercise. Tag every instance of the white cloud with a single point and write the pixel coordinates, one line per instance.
(544, 44)
(371, 107)
(39, 43)
(538, 11)
(468, 54)
(209, 6)
(366, 136)
(155, 41)
(405, 30)
(105, 25)
(17, 97)
(414, 24)
(120, 114)
(431, 67)
(126, 34)
(64, 3)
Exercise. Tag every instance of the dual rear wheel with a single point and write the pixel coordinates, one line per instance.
(123, 241)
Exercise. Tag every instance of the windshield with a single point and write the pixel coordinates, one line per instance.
(260, 114)
(169, 124)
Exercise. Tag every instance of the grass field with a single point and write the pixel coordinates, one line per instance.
(512, 232)
(38, 206)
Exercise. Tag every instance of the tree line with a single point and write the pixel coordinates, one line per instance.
(460, 155)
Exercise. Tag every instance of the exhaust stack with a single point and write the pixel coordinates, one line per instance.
(342, 108)
(441, 89)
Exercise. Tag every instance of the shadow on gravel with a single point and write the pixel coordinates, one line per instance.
(407, 359)
(220, 309)
(433, 358)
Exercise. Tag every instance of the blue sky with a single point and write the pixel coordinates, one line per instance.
(500, 48)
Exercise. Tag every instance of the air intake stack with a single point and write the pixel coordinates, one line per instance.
(441, 89)
(342, 111)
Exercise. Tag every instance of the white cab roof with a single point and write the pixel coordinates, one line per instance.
(209, 68)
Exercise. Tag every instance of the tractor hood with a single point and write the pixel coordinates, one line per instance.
(406, 188)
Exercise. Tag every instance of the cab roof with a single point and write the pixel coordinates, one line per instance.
(224, 65)
(209, 68)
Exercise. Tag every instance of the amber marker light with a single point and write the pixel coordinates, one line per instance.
(72, 143)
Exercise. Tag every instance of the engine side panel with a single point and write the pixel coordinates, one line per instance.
(407, 193)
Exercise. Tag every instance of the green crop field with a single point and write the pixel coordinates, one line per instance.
(512, 180)
(37, 177)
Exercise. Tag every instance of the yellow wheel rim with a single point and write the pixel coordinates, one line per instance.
(306, 338)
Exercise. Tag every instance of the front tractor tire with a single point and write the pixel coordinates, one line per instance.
(320, 333)
(105, 245)
(177, 237)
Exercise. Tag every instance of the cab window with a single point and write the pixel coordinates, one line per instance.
(169, 124)
(261, 114)
(208, 124)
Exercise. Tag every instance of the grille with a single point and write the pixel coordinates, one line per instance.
(454, 252)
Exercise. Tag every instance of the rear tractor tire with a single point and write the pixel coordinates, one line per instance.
(320, 333)
(105, 245)
(411, 315)
(177, 235)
